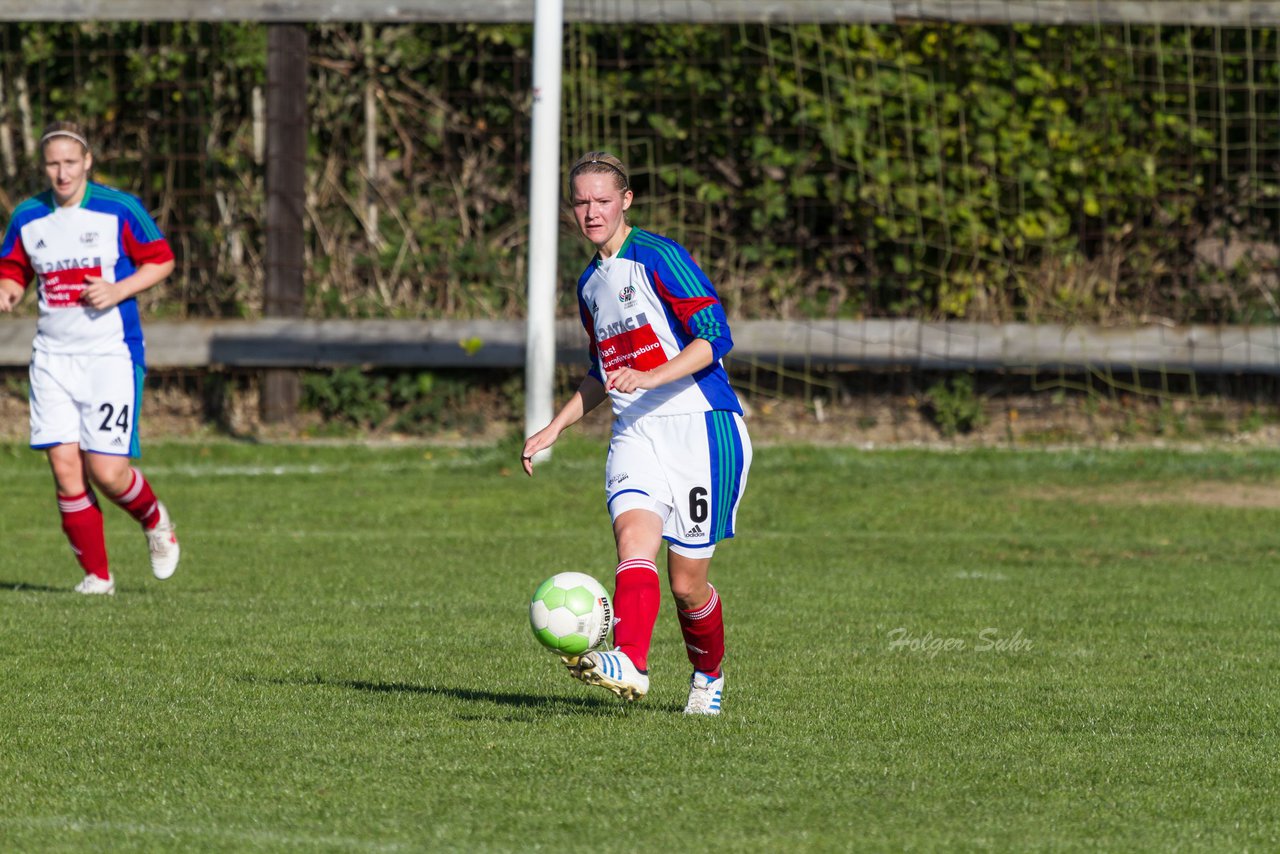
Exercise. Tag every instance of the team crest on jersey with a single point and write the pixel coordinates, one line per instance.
(89, 238)
(627, 295)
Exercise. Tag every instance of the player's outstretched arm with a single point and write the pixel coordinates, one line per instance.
(10, 293)
(589, 395)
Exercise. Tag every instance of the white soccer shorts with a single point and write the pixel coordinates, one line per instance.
(92, 401)
(689, 469)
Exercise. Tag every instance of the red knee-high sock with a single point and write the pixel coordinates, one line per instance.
(703, 630)
(82, 522)
(635, 606)
(139, 501)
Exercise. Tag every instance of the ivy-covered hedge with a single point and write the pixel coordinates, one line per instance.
(936, 170)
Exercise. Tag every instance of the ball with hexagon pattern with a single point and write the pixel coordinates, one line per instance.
(570, 613)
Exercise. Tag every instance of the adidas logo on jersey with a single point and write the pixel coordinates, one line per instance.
(696, 531)
(40, 243)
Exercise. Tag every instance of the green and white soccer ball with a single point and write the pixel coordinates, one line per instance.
(570, 613)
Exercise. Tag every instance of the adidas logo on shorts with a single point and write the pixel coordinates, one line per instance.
(696, 531)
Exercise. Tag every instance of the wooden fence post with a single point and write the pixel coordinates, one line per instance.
(286, 195)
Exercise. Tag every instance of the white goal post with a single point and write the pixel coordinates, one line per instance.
(544, 217)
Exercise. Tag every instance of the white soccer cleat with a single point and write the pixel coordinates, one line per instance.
(612, 671)
(92, 585)
(704, 694)
(162, 542)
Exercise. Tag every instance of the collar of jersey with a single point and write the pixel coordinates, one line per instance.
(621, 249)
(52, 204)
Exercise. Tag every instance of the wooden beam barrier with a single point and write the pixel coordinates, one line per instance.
(1213, 13)
(870, 344)
(296, 343)
(960, 345)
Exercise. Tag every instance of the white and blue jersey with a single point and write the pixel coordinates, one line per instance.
(109, 234)
(680, 450)
(640, 309)
(87, 364)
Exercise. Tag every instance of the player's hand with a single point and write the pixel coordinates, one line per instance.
(628, 380)
(540, 441)
(99, 293)
(9, 296)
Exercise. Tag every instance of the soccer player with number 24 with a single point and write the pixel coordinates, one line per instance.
(679, 453)
(91, 249)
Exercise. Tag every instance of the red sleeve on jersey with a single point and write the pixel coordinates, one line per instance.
(16, 266)
(155, 252)
(682, 307)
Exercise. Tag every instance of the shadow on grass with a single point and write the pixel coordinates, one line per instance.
(472, 695)
(132, 591)
(23, 587)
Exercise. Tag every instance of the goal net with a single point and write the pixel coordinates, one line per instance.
(983, 171)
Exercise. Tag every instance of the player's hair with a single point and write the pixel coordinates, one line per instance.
(600, 163)
(70, 130)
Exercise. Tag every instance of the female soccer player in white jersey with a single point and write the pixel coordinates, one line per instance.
(679, 453)
(91, 250)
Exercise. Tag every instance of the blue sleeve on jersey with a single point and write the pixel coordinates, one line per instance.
(712, 326)
(585, 314)
(689, 293)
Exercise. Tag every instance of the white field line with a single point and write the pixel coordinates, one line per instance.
(264, 837)
(312, 469)
(237, 471)
(262, 471)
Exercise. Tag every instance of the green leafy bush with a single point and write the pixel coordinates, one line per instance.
(404, 402)
(955, 406)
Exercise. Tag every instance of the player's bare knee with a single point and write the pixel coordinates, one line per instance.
(690, 593)
(638, 534)
(110, 473)
(68, 469)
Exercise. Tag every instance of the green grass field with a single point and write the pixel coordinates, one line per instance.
(928, 651)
